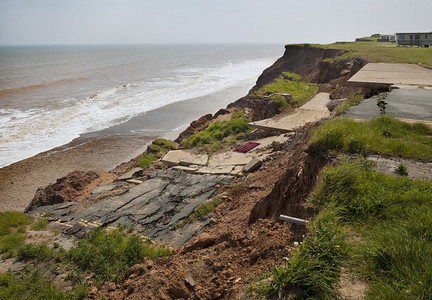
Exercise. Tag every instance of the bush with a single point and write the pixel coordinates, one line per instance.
(39, 225)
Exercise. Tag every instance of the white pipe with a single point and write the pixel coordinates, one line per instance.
(293, 220)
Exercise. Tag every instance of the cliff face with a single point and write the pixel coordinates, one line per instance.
(297, 59)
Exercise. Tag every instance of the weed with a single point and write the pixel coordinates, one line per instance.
(299, 90)
(401, 170)
(351, 101)
(12, 219)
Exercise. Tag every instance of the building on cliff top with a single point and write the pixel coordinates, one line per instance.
(419, 39)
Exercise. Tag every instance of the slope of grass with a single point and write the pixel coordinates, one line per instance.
(384, 135)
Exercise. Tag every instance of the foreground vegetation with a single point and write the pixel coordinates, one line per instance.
(105, 254)
(378, 226)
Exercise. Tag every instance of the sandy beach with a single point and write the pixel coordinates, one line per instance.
(104, 150)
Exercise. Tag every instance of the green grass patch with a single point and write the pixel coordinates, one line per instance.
(165, 144)
(146, 160)
(382, 52)
(110, 254)
(10, 220)
(392, 215)
(383, 135)
(292, 76)
(314, 269)
(217, 132)
(39, 225)
(200, 212)
(299, 90)
(33, 285)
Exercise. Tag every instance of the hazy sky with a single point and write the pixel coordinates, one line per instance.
(205, 21)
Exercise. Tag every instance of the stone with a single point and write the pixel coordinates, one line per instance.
(252, 165)
(189, 280)
(129, 175)
(249, 235)
(135, 181)
(104, 188)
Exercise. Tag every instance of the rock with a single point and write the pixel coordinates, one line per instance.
(66, 189)
(134, 181)
(331, 105)
(276, 146)
(249, 235)
(129, 175)
(253, 165)
(189, 280)
(103, 189)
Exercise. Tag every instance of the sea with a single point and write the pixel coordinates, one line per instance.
(53, 95)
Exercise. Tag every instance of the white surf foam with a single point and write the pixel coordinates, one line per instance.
(24, 133)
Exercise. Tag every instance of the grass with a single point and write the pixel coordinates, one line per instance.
(200, 212)
(146, 160)
(382, 52)
(383, 135)
(392, 216)
(299, 90)
(314, 269)
(219, 133)
(351, 101)
(110, 254)
(33, 285)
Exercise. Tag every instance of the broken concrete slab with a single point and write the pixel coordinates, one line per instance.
(104, 188)
(184, 158)
(390, 74)
(253, 165)
(318, 102)
(129, 175)
(134, 181)
(291, 122)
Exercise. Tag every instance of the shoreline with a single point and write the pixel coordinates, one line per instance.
(106, 149)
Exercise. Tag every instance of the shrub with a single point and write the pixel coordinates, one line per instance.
(401, 170)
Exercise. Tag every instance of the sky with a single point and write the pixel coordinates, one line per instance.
(58, 22)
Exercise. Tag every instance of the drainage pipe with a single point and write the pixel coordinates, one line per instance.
(293, 220)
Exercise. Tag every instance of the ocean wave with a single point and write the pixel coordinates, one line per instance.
(24, 133)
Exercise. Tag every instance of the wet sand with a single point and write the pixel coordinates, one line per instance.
(104, 150)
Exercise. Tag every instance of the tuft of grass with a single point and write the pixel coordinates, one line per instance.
(219, 131)
(146, 160)
(110, 254)
(165, 144)
(39, 225)
(314, 269)
(347, 135)
(351, 101)
(292, 76)
(401, 170)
